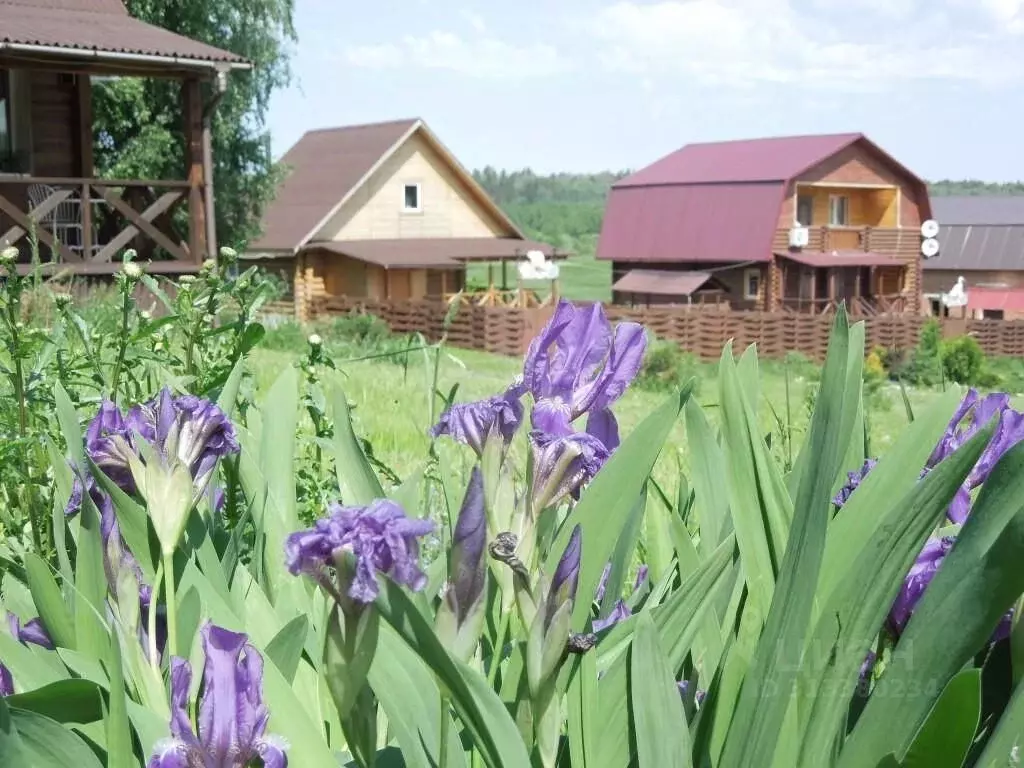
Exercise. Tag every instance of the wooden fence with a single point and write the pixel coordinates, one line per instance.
(508, 330)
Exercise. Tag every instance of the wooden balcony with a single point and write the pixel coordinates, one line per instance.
(85, 222)
(857, 306)
(886, 240)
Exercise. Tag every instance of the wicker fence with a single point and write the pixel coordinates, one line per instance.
(508, 330)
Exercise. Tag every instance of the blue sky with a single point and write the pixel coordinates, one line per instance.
(586, 85)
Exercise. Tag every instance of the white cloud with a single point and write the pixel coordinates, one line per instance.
(744, 43)
(481, 57)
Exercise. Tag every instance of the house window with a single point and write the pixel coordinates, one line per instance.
(411, 198)
(838, 210)
(6, 144)
(993, 314)
(805, 210)
(751, 283)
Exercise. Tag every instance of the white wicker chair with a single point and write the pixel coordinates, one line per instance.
(64, 222)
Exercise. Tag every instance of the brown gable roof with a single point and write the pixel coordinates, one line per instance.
(326, 166)
(98, 27)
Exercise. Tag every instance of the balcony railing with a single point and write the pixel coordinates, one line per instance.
(88, 221)
(859, 306)
(898, 241)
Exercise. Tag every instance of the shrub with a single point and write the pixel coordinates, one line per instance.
(667, 366)
(962, 359)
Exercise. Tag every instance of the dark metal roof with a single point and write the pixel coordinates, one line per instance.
(701, 223)
(841, 259)
(433, 252)
(992, 248)
(100, 26)
(659, 282)
(993, 210)
(322, 168)
(719, 201)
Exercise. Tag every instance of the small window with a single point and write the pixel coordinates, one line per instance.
(805, 210)
(993, 314)
(411, 197)
(838, 210)
(6, 144)
(751, 283)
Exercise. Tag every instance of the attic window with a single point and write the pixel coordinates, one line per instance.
(411, 198)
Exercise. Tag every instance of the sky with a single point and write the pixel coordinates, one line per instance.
(589, 85)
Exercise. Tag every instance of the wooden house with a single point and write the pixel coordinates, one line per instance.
(382, 211)
(780, 224)
(981, 241)
(50, 53)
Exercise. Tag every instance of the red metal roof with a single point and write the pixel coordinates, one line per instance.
(718, 201)
(660, 282)
(101, 26)
(772, 159)
(1006, 299)
(702, 223)
(841, 259)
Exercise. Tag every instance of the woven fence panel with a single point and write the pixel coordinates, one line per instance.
(508, 330)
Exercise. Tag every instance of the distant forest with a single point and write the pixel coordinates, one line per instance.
(565, 209)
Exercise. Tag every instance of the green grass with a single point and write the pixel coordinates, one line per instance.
(582, 278)
(392, 409)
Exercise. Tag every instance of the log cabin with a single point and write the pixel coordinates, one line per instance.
(384, 211)
(793, 224)
(52, 203)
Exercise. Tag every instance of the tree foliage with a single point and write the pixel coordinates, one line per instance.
(138, 122)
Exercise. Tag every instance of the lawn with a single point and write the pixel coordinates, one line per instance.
(392, 408)
(582, 278)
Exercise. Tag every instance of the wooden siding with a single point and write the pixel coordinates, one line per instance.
(344, 276)
(866, 207)
(448, 208)
(54, 97)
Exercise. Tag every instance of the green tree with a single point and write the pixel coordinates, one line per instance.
(138, 122)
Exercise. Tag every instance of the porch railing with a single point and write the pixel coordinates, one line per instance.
(92, 220)
(897, 241)
(859, 306)
(496, 297)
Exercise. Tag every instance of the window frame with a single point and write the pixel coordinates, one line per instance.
(832, 200)
(747, 274)
(419, 197)
(5, 98)
(809, 200)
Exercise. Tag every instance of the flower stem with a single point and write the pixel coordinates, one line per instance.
(122, 342)
(442, 755)
(154, 659)
(172, 606)
(499, 644)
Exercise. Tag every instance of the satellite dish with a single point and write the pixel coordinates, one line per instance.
(929, 247)
(929, 228)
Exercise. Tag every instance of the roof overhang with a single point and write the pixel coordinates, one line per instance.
(117, 61)
(658, 282)
(841, 259)
(433, 253)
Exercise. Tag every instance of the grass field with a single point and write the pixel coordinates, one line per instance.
(581, 278)
(392, 408)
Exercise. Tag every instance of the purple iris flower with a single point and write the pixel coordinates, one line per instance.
(917, 580)
(566, 577)
(620, 610)
(854, 480)
(684, 686)
(32, 632)
(472, 423)
(468, 568)
(562, 464)
(380, 536)
(187, 428)
(577, 364)
(232, 719)
(110, 444)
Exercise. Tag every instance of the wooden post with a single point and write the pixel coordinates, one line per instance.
(299, 290)
(387, 284)
(192, 110)
(83, 114)
(814, 288)
(831, 285)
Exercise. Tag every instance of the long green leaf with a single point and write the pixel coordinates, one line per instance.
(755, 728)
(604, 506)
(707, 470)
(118, 729)
(977, 583)
(946, 736)
(1008, 733)
(583, 705)
(229, 393)
(70, 426)
(760, 506)
(285, 649)
(66, 701)
(90, 583)
(659, 723)
(478, 707)
(852, 615)
(356, 478)
(45, 743)
(133, 522)
(49, 601)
